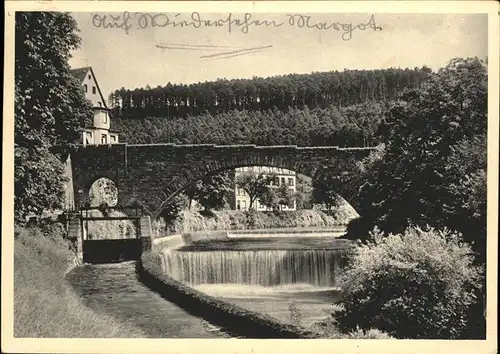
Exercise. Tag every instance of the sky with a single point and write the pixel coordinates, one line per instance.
(139, 53)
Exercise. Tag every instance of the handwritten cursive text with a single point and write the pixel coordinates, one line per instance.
(231, 22)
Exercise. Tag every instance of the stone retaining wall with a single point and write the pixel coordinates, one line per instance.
(231, 318)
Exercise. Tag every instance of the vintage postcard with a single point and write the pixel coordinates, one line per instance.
(186, 177)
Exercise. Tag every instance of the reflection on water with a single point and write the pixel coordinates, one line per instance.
(115, 290)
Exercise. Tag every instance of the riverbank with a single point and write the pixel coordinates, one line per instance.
(45, 304)
(237, 220)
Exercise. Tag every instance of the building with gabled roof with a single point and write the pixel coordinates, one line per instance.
(100, 131)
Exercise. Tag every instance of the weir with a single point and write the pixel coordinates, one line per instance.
(263, 274)
(254, 267)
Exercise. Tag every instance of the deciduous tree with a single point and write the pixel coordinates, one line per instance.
(50, 108)
(256, 185)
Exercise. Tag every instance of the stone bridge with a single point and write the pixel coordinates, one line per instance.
(152, 174)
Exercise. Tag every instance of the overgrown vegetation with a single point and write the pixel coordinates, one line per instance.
(420, 284)
(247, 220)
(433, 167)
(45, 305)
(50, 109)
(431, 171)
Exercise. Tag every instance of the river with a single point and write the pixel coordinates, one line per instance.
(279, 276)
(114, 289)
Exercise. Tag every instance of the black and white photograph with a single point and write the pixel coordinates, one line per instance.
(239, 172)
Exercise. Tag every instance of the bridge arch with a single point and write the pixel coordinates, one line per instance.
(152, 174)
(201, 173)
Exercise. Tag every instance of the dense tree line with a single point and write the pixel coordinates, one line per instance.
(431, 171)
(50, 108)
(316, 90)
(343, 126)
(435, 158)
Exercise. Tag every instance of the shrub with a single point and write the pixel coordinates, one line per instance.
(328, 328)
(295, 317)
(417, 285)
(371, 333)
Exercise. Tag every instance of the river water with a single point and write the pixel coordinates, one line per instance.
(278, 276)
(115, 290)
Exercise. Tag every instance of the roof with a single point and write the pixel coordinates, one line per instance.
(80, 73)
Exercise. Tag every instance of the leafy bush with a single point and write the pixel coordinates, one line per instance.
(295, 316)
(372, 333)
(328, 328)
(421, 284)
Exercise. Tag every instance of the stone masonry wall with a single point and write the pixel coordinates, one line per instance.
(152, 174)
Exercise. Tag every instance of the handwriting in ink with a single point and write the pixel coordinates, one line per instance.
(304, 21)
(231, 22)
(244, 24)
(122, 21)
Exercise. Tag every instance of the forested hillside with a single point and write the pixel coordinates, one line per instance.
(332, 108)
(314, 90)
(342, 126)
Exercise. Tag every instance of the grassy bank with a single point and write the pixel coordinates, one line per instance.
(45, 305)
(192, 221)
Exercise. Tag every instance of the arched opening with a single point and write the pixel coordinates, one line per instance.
(221, 191)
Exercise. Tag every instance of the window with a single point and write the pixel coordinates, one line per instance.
(94, 90)
(99, 104)
(238, 205)
(112, 138)
(104, 118)
(104, 139)
(244, 204)
(290, 181)
(85, 87)
(90, 76)
(283, 181)
(89, 138)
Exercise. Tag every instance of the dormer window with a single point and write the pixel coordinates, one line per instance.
(93, 90)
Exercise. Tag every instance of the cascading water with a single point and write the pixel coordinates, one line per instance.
(253, 267)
